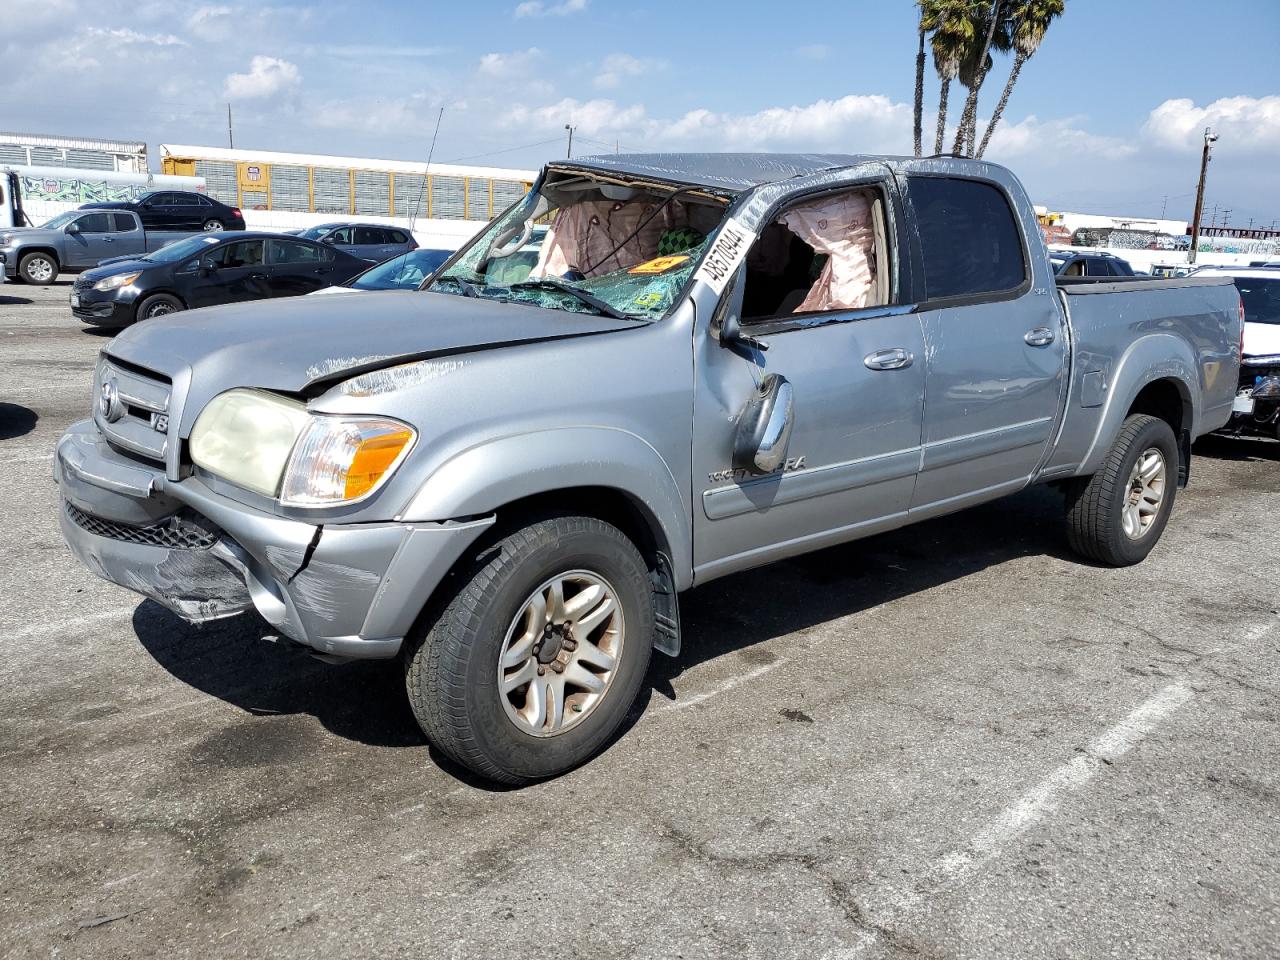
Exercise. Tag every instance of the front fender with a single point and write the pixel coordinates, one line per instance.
(485, 477)
(1159, 356)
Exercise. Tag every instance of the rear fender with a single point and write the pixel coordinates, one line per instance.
(484, 478)
(1156, 357)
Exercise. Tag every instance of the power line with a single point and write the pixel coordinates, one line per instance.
(494, 153)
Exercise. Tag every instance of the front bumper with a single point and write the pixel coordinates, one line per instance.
(105, 309)
(348, 590)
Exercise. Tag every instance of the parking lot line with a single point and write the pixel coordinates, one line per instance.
(1028, 810)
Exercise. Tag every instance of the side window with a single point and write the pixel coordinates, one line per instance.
(94, 223)
(369, 235)
(825, 254)
(203, 200)
(292, 251)
(185, 200)
(1099, 267)
(245, 253)
(342, 236)
(161, 199)
(968, 236)
(124, 222)
(397, 237)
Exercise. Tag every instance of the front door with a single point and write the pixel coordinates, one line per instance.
(997, 349)
(855, 358)
(239, 272)
(93, 240)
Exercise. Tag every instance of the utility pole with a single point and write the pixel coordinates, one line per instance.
(1209, 137)
(568, 154)
(231, 140)
(1213, 218)
(1226, 217)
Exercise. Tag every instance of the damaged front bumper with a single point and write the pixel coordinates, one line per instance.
(347, 590)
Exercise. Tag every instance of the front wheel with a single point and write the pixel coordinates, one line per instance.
(158, 305)
(40, 269)
(537, 656)
(1117, 515)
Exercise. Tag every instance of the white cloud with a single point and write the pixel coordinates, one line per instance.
(266, 76)
(1243, 124)
(1053, 141)
(513, 64)
(539, 8)
(852, 124)
(617, 67)
(593, 116)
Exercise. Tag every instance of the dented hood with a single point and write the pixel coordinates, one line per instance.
(299, 343)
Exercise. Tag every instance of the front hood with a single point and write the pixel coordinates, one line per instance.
(301, 344)
(1261, 340)
(116, 265)
(39, 234)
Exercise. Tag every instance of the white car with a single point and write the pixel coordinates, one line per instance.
(1257, 404)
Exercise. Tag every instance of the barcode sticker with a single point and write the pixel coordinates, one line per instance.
(730, 248)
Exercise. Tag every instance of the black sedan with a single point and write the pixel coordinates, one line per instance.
(178, 210)
(205, 271)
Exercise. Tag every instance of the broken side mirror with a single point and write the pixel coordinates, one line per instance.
(764, 427)
(731, 336)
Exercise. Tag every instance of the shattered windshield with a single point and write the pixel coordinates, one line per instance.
(584, 246)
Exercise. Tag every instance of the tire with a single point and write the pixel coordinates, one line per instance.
(158, 305)
(1097, 505)
(452, 672)
(40, 269)
(213, 226)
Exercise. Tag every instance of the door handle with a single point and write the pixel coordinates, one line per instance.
(894, 358)
(257, 276)
(1039, 337)
(108, 240)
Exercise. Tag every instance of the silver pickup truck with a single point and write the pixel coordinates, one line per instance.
(75, 241)
(714, 361)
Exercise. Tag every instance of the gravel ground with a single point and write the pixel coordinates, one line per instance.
(952, 741)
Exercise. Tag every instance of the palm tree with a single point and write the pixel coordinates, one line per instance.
(952, 33)
(919, 107)
(1031, 19)
(992, 24)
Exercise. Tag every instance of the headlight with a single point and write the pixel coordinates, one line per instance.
(118, 281)
(274, 447)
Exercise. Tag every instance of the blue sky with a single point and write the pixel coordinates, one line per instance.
(1106, 117)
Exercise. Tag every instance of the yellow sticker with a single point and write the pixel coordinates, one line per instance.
(659, 264)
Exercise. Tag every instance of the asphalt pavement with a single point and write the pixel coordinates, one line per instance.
(956, 740)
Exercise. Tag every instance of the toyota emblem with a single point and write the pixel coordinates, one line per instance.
(109, 402)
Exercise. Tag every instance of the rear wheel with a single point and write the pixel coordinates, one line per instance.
(538, 654)
(213, 226)
(40, 269)
(1117, 515)
(158, 305)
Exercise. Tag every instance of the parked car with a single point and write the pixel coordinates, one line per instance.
(716, 362)
(74, 241)
(1257, 403)
(405, 272)
(368, 241)
(206, 270)
(1089, 264)
(178, 210)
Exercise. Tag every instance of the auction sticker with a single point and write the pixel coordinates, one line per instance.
(659, 264)
(729, 250)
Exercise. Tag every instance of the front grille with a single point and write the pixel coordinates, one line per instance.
(139, 421)
(179, 532)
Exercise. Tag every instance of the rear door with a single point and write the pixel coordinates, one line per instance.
(298, 267)
(187, 212)
(156, 211)
(372, 244)
(996, 345)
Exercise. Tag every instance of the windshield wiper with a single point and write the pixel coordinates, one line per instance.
(468, 288)
(559, 286)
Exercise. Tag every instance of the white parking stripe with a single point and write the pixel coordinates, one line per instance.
(1024, 813)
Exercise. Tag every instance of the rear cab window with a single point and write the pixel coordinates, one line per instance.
(970, 242)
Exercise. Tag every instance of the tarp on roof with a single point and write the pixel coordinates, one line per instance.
(732, 172)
